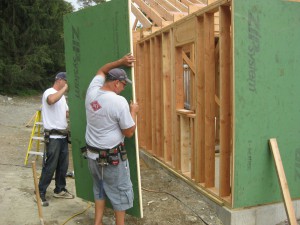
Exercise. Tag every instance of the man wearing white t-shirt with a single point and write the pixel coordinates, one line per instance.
(54, 113)
(109, 120)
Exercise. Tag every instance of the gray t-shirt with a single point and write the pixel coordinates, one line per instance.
(107, 113)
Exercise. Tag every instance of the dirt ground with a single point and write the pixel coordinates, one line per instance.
(183, 205)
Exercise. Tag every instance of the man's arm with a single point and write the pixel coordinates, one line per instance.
(53, 98)
(134, 108)
(126, 60)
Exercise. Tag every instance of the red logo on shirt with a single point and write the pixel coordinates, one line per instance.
(95, 105)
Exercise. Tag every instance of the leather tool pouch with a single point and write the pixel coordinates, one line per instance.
(103, 158)
(46, 136)
(113, 157)
(84, 152)
(123, 152)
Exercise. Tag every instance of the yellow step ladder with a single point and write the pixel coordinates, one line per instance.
(35, 136)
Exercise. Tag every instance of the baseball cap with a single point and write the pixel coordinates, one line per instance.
(118, 74)
(61, 75)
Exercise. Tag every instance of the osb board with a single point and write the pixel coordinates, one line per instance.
(184, 33)
(266, 98)
(93, 37)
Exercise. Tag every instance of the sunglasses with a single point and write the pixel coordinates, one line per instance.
(123, 82)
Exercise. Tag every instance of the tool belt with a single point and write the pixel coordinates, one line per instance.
(109, 156)
(65, 132)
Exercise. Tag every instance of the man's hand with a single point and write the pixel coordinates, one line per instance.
(65, 88)
(128, 60)
(134, 107)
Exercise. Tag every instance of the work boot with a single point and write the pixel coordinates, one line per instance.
(63, 194)
(44, 201)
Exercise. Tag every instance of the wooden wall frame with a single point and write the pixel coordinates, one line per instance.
(185, 139)
(220, 145)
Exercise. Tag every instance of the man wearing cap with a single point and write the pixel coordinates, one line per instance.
(54, 114)
(109, 120)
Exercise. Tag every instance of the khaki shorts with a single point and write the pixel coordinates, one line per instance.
(112, 182)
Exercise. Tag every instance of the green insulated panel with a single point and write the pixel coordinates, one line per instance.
(266, 98)
(93, 37)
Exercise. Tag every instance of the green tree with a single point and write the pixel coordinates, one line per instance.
(31, 43)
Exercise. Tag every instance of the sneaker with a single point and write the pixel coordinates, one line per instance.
(44, 201)
(70, 174)
(63, 194)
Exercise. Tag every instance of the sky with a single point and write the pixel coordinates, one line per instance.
(74, 3)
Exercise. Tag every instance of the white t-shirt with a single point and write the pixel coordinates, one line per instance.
(107, 113)
(54, 116)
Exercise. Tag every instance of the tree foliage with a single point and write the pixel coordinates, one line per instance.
(31, 43)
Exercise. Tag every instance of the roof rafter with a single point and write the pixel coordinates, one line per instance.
(187, 2)
(153, 15)
(179, 5)
(160, 13)
(161, 10)
(167, 5)
(140, 16)
(197, 2)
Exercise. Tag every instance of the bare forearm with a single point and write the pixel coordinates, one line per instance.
(133, 115)
(126, 60)
(129, 132)
(53, 98)
(107, 67)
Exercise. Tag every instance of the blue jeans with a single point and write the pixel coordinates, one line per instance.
(57, 160)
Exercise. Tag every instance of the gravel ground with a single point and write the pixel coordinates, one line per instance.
(166, 200)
